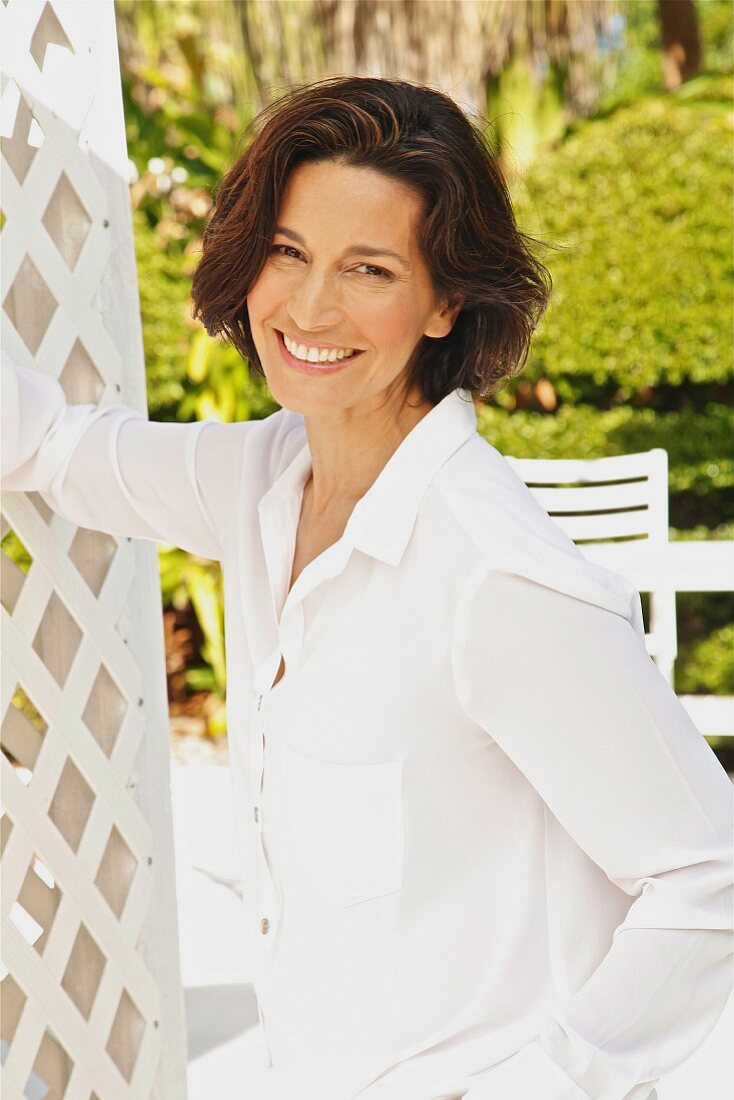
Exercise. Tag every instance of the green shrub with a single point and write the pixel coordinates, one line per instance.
(701, 464)
(641, 199)
(164, 294)
(708, 666)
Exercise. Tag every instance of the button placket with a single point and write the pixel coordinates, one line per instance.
(290, 636)
(267, 910)
(256, 752)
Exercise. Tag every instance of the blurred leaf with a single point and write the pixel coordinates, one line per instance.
(204, 588)
(198, 359)
(708, 668)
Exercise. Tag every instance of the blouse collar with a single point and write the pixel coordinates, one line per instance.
(382, 520)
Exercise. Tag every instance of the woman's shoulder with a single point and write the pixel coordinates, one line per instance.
(493, 504)
(512, 532)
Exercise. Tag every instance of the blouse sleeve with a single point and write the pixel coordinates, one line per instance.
(111, 469)
(567, 690)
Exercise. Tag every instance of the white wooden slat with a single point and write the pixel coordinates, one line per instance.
(711, 714)
(606, 526)
(25, 236)
(79, 1086)
(55, 853)
(89, 758)
(584, 498)
(39, 245)
(14, 864)
(72, 95)
(70, 1027)
(686, 566)
(13, 1088)
(61, 575)
(654, 642)
(603, 468)
(28, 1035)
(11, 581)
(19, 735)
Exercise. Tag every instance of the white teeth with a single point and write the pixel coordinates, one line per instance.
(316, 355)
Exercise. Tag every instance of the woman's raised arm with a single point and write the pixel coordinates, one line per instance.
(111, 469)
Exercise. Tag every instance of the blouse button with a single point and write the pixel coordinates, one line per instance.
(264, 926)
(256, 813)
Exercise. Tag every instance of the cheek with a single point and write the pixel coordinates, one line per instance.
(393, 324)
(263, 298)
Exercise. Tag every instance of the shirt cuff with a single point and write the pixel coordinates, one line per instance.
(530, 1072)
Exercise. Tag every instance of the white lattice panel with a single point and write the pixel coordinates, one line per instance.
(90, 990)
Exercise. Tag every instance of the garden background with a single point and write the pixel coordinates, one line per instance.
(612, 147)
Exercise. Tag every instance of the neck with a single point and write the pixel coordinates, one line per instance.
(350, 448)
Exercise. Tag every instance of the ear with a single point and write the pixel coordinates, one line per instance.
(443, 320)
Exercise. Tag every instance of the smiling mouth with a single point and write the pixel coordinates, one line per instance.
(317, 363)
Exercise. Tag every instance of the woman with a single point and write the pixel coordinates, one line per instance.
(485, 853)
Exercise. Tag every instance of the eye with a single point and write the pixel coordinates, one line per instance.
(289, 252)
(381, 272)
(287, 247)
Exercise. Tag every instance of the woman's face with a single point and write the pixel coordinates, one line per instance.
(344, 272)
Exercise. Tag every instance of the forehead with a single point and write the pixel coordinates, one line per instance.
(350, 205)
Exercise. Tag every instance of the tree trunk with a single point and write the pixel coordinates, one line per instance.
(681, 41)
(455, 45)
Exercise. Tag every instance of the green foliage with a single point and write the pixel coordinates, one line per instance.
(637, 345)
(705, 661)
(220, 386)
(525, 113)
(716, 20)
(187, 579)
(186, 93)
(164, 293)
(642, 296)
(640, 71)
(205, 592)
(699, 447)
(186, 105)
(709, 665)
(20, 700)
(11, 545)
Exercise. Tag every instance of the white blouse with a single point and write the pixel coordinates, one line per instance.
(484, 850)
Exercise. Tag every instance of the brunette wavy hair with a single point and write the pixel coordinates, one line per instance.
(468, 238)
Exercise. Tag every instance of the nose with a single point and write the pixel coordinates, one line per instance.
(313, 304)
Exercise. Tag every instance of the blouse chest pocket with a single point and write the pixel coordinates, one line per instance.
(345, 825)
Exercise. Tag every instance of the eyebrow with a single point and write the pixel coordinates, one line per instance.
(353, 250)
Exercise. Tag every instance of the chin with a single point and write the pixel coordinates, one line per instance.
(298, 396)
